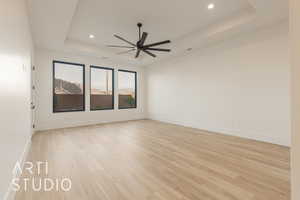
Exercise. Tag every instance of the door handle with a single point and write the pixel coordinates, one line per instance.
(32, 106)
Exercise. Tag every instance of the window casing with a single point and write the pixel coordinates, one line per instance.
(68, 87)
(127, 89)
(101, 88)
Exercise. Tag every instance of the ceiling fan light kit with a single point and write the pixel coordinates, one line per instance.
(140, 46)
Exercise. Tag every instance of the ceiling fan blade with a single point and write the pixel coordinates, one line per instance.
(124, 40)
(157, 43)
(149, 53)
(124, 52)
(158, 49)
(116, 46)
(143, 39)
(137, 53)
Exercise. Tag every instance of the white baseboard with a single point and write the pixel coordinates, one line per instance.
(225, 131)
(46, 127)
(10, 194)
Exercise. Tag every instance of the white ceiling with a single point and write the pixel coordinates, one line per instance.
(66, 25)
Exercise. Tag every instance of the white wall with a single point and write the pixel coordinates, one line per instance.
(240, 87)
(15, 62)
(295, 57)
(46, 119)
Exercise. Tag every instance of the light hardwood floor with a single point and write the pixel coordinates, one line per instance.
(149, 160)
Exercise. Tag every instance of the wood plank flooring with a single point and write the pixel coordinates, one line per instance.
(150, 160)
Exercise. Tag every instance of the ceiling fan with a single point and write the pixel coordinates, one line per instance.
(140, 44)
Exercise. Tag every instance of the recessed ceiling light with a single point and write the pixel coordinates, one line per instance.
(211, 6)
(91, 36)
